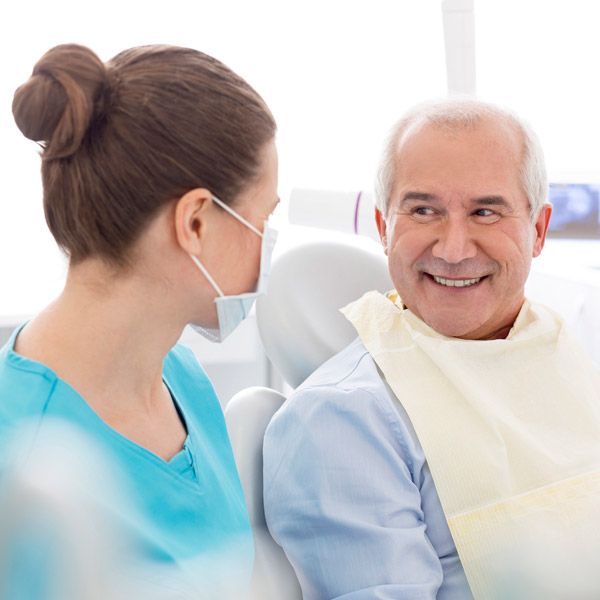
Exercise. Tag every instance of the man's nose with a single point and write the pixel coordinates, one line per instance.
(455, 242)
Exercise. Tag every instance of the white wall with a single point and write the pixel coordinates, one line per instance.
(321, 66)
(336, 73)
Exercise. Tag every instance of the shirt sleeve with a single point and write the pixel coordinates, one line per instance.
(341, 501)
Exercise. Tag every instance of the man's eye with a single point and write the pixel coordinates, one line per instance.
(484, 212)
(423, 210)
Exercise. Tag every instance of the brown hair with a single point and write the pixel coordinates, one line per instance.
(122, 140)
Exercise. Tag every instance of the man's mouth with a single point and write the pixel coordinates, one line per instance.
(456, 282)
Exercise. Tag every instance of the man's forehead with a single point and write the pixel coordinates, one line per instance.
(489, 146)
(473, 161)
(504, 132)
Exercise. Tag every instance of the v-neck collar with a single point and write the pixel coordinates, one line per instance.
(173, 465)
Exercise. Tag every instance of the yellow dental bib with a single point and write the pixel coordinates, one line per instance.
(511, 433)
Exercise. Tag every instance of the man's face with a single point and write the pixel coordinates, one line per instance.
(458, 232)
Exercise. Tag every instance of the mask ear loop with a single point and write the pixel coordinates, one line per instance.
(207, 275)
(239, 218)
(234, 214)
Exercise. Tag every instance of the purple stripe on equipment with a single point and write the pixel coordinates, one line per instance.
(356, 213)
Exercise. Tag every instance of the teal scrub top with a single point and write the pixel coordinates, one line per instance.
(186, 518)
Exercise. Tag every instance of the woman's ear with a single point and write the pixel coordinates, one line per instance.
(191, 212)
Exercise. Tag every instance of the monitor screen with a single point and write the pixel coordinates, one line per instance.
(576, 210)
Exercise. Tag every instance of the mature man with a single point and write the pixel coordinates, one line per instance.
(453, 450)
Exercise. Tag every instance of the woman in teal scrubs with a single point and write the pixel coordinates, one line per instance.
(159, 173)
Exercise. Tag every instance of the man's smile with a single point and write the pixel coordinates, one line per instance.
(456, 282)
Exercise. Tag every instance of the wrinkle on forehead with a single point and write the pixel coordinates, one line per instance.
(497, 127)
(493, 136)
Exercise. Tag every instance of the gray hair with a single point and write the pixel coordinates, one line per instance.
(456, 113)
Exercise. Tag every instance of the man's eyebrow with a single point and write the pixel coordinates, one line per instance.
(418, 196)
(490, 201)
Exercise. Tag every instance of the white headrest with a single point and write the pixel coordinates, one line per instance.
(299, 319)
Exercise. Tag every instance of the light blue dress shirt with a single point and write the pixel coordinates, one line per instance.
(348, 493)
(184, 519)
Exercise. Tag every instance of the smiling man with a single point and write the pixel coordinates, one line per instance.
(453, 450)
(458, 226)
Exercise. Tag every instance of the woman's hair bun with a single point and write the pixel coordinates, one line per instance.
(60, 99)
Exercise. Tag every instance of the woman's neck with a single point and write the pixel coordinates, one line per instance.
(107, 336)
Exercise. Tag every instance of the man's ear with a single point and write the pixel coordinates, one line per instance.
(541, 228)
(191, 221)
(382, 228)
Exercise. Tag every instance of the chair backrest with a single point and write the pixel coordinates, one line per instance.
(247, 415)
(301, 327)
(299, 319)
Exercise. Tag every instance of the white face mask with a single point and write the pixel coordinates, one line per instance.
(232, 310)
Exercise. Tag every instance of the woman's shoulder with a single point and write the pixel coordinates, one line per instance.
(21, 376)
(25, 387)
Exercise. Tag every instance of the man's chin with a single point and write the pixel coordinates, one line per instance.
(455, 323)
(451, 330)
(467, 329)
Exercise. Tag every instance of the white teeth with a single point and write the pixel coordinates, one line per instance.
(456, 282)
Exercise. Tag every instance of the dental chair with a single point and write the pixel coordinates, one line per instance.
(301, 327)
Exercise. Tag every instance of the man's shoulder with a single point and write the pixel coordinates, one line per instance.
(349, 380)
(351, 368)
(346, 398)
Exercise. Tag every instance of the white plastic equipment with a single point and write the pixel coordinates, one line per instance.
(301, 327)
(459, 38)
(350, 212)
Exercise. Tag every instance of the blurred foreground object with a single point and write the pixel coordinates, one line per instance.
(57, 541)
